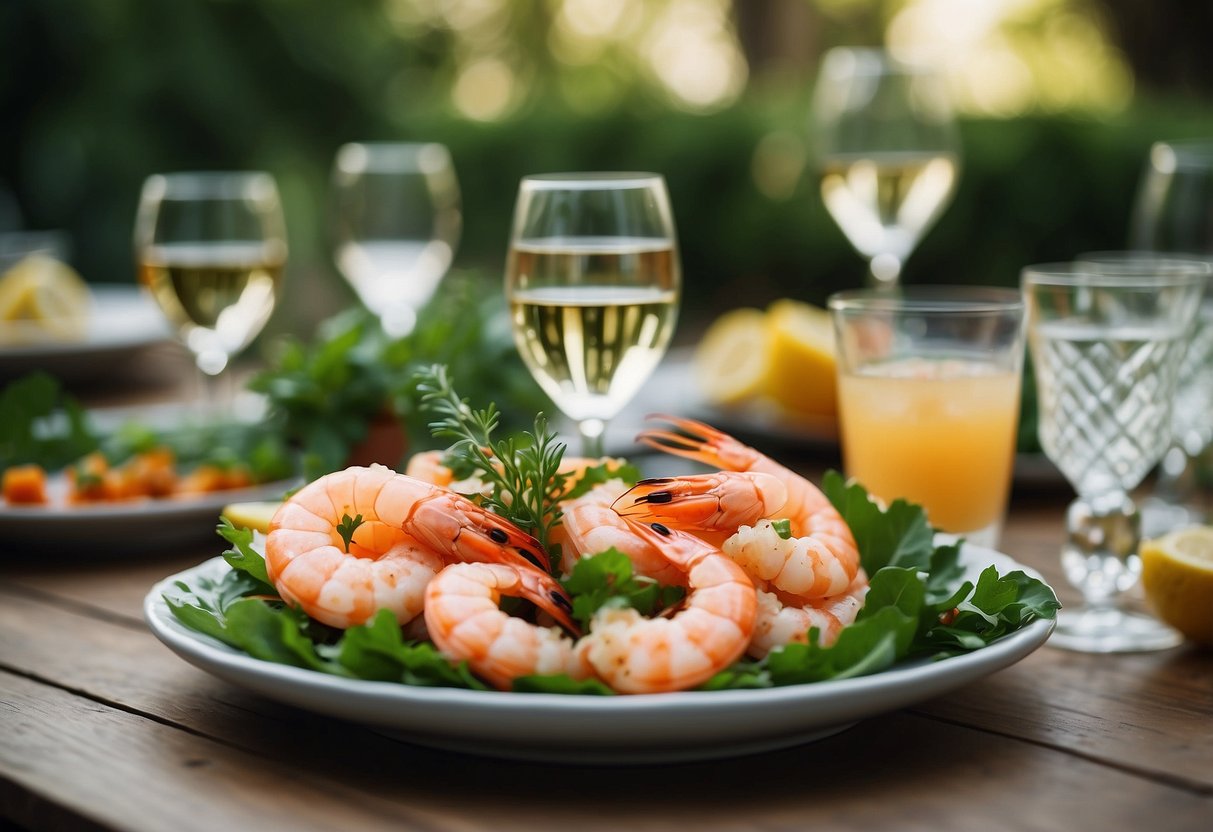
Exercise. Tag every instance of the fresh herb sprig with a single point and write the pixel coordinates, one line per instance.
(523, 470)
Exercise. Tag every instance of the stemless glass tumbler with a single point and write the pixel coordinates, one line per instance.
(1107, 350)
(928, 394)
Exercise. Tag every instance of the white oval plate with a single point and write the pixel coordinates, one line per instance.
(128, 525)
(122, 321)
(597, 729)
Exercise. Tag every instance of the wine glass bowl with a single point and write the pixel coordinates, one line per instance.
(396, 224)
(593, 281)
(211, 249)
(888, 153)
(1106, 350)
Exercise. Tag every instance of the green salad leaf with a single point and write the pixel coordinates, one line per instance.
(243, 610)
(608, 578)
(41, 425)
(917, 605)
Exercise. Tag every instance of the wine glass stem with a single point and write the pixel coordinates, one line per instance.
(884, 271)
(591, 431)
(214, 393)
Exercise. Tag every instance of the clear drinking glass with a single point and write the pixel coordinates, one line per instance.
(1169, 505)
(1173, 213)
(928, 397)
(888, 153)
(593, 281)
(1107, 350)
(210, 249)
(396, 224)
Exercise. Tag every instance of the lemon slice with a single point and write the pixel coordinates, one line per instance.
(1177, 576)
(732, 360)
(44, 296)
(253, 515)
(803, 372)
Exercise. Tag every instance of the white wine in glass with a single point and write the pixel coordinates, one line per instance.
(396, 224)
(210, 249)
(887, 152)
(593, 281)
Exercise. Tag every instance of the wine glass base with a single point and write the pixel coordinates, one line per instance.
(1088, 630)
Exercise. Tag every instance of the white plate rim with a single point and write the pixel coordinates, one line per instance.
(142, 328)
(592, 728)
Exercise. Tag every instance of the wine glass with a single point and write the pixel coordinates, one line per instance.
(593, 281)
(210, 249)
(888, 153)
(1107, 350)
(1168, 506)
(396, 223)
(1173, 213)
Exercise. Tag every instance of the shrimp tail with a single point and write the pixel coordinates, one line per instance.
(546, 593)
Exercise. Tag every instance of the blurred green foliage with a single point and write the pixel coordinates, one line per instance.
(97, 94)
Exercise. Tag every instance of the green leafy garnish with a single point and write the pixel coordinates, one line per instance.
(243, 610)
(611, 469)
(325, 396)
(917, 604)
(347, 527)
(608, 578)
(41, 425)
(523, 470)
(783, 528)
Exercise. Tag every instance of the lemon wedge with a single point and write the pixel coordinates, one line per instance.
(732, 360)
(41, 297)
(1177, 576)
(803, 373)
(252, 515)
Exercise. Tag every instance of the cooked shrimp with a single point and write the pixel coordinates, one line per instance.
(634, 654)
(811, 515)
(799, 566)
(408, 530)
(464, 619)
(779, 623)
(591, 526)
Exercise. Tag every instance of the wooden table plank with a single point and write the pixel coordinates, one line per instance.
(123, 770)
(118, 667)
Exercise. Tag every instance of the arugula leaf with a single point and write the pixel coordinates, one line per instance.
(561, 683)
(608, 578)
(243, 557)
(896, 536)
(377, 650)
(867, 646)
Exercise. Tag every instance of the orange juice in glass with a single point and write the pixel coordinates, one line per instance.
(928, 386)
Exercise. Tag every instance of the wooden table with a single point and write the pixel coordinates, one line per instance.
(102, 727)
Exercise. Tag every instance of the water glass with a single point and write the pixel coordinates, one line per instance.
(396, 224)
(1107, 349)
(1169, 505)
(887, 150)
(928, 394)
